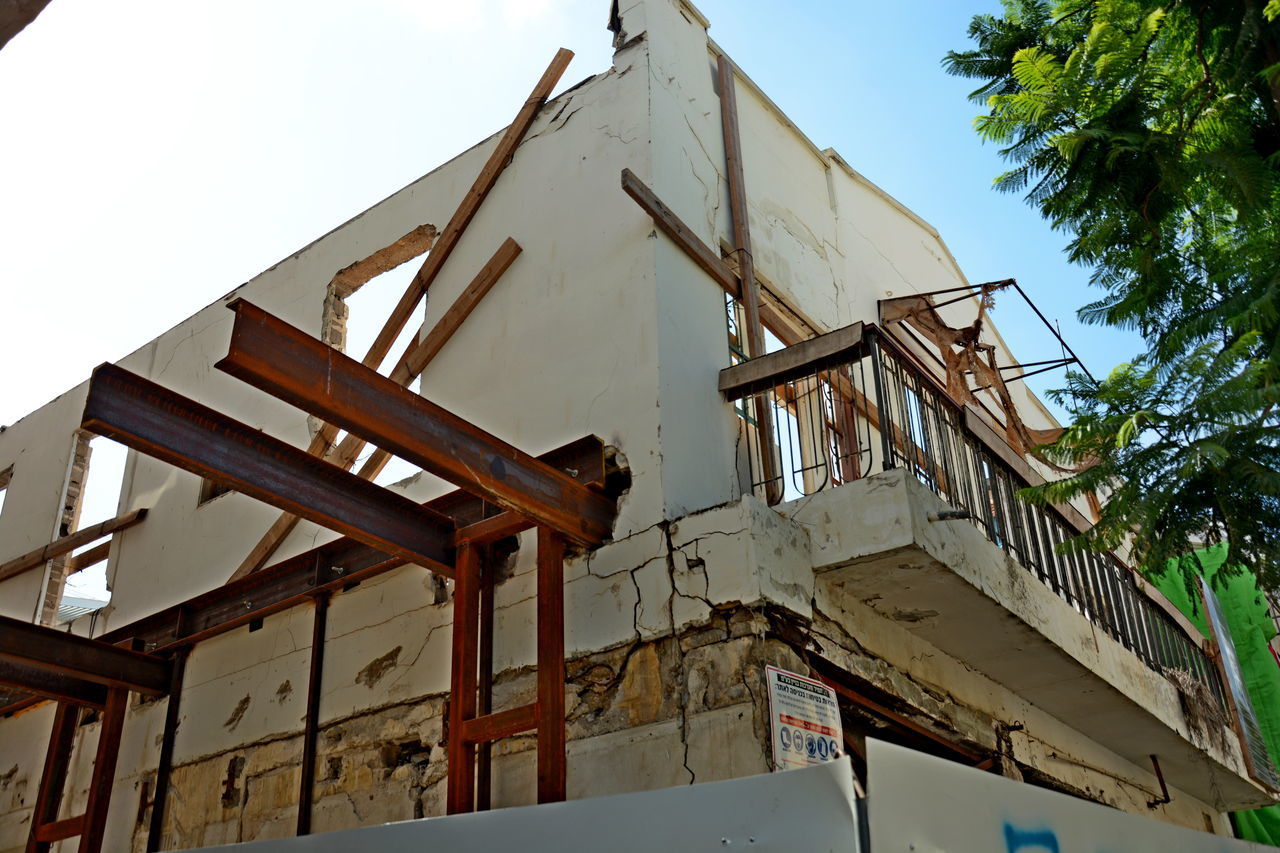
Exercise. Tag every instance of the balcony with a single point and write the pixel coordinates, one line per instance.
(911, 500)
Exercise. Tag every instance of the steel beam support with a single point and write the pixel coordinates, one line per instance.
(104, 771)
(551, 669)
(156, 421)
(52, 685)
(460, 796)
(307, 783)
(81, 658)
(53, 777)
(330, 567)
(484, 690)
(164, 766)
(293, 366)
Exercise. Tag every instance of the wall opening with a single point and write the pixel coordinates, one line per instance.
(5, 476)
(77, 583)
(357, 304)
(210, 490)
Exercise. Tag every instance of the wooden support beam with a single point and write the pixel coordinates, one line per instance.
(467, 210)
(415, 359)
(769, 371)
(681, 234)
(552, 779)
(421, 353)
(290, 364)
(67, 544)
(80, 657)
(153, 420)
(770, 464)
(80, 562)
(738, 208)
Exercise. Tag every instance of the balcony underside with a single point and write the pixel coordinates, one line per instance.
(944, 582)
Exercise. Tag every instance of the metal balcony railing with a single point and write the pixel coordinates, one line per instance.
(853, 402)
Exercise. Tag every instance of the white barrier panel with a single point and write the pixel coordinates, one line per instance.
(805, 811)
(922, 804)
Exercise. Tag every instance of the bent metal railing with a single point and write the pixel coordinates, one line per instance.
(853, 402)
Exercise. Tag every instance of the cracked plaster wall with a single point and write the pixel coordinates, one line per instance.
(665, 627)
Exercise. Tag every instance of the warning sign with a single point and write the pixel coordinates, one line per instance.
(805, 719)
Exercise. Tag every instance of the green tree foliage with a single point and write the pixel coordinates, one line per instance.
(1150, 133)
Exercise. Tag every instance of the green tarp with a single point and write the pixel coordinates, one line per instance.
(1252, 629)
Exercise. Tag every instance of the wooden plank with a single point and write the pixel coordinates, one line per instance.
(411, 364)
(426, 275)
(551, 669)
(769, 371)
(67, 544)
(288, 363)
(80, 562)
(770, 464)
(738, 208)
(492, 727)
(681, 234)
(420, 354)
(467, 209)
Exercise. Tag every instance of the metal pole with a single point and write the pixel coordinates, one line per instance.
(306, 786)
(164, 767)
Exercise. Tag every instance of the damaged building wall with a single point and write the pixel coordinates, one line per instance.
(604, 327)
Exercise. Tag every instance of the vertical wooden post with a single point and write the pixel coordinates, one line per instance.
(104, 770)
(53, 777)
(164, 767)
(551, 669)
(769, 462)
(306, 785)
(462, 681)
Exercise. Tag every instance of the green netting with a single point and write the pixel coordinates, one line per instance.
(1252, 629)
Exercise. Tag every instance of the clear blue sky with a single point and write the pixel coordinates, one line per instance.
(158, 154)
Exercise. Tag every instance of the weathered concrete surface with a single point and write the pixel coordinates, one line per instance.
(874, 545)
(602, 327)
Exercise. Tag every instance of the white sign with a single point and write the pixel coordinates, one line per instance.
(805, 718)
(921, 803)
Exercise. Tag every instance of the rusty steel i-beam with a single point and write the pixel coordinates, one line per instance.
(156, 421)
(81, 658)
(290, 364)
